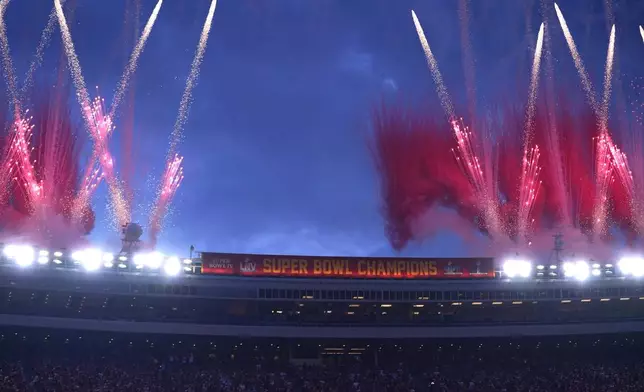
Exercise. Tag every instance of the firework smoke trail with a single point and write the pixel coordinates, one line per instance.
(102, 126)
(7, 62)
(619, 161)
(173, 173)
(74, 66)
(585, 80)
(134, 59)
(172, 177)
(186, 99)
(42, 45)
(119, 204)
(94, 118)
(132, 20)
(466, 156)
(468, 58)
(5, 175)
(604, 165)
(553, 138)
(530, 183)
(608, 78)
(92, 175)
(443, 94)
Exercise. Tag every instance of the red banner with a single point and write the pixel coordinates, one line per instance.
(346, 267)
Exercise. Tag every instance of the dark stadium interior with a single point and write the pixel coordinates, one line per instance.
(32, 360)
(507, 307)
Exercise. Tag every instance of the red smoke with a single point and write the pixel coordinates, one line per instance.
(417, 161)
(54, 154)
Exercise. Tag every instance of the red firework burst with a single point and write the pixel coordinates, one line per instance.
(420, 168)
(40, 170)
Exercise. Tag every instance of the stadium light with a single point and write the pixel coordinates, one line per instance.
(172, 266)
(631, 266)
(23, 255)
(154, 260)
(108, 260)
(78, 257)
(139, 260)
(517, 268)
(91, 259)
(579, 270)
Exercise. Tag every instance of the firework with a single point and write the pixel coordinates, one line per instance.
(173, 173)
(7, 62)
(603, 166)
(193, 76)
(496, 178)
(41, 156)
(45, 38)
(101, 166)
(418, 172)
(441, 89)
(172, 177)
(468, 153)
(99, 124)
(530, 183)
(642, 33)
(134, 58)
(581, 69)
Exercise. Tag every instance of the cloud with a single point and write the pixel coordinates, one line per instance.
(356, 61)
(307, 240)
(390, 84)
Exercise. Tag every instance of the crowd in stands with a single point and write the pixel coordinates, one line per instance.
(573, 367)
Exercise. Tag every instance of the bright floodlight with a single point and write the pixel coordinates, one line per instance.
(108, 260)
(139, 259)
(632, 265)
(23, 255)
(91, 259)
(579, 270)
(172, 266)
(154, 260)
(78, 256)
(517, 268)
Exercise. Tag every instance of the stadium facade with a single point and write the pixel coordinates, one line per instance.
(267, 296)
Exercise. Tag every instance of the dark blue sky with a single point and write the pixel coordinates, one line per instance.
(275, 145)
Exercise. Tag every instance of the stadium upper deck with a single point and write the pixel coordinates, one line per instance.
(279, 295)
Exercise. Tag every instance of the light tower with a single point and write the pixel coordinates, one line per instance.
(558, 248)
(131, 238)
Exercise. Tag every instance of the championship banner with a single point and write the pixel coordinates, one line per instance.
(346, 267)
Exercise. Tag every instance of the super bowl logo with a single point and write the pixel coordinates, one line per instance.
(478, 270)
(248, 266)
(451, 269)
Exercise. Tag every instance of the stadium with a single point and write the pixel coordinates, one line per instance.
(218, 318)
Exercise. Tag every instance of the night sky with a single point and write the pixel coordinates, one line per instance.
(276, 156)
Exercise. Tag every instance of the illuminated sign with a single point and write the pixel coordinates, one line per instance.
(346, 267)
